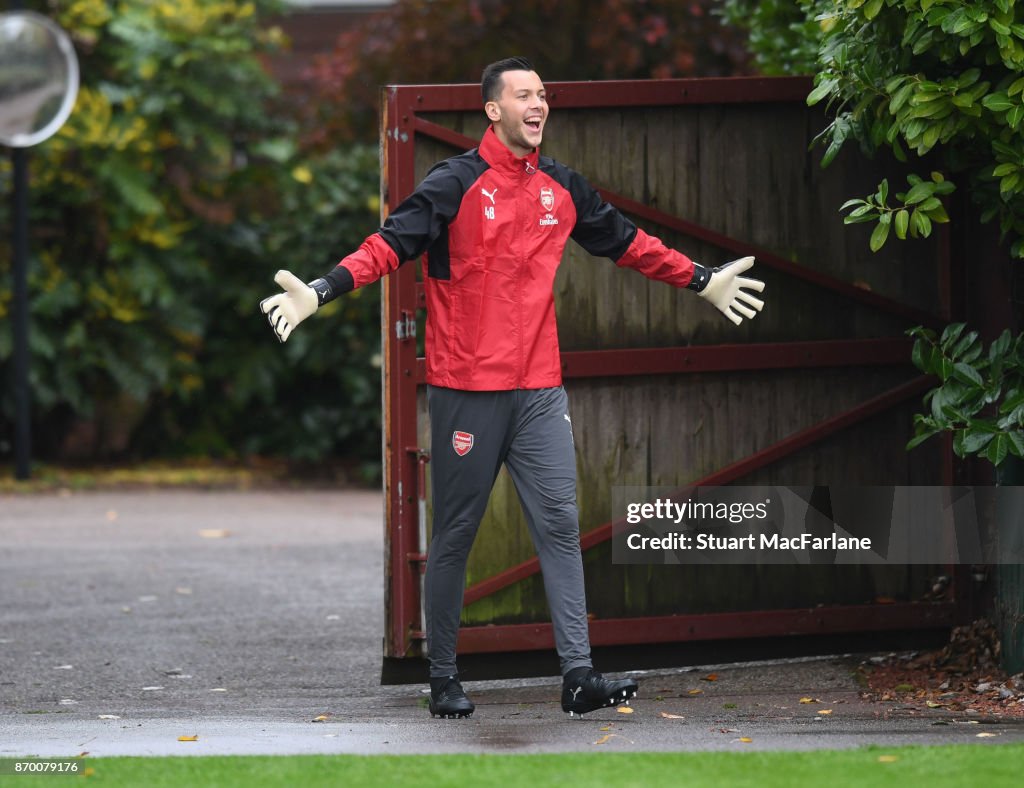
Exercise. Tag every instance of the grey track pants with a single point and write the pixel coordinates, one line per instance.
(472, 434)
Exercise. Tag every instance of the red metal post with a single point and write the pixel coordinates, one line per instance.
(398, 303)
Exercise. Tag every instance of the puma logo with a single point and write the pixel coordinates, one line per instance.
(576, 692)
(489, 196)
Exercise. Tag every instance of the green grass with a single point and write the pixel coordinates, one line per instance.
(954, 765)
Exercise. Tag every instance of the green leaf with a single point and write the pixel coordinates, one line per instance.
(929, 138)
(872, 7)
(822, 90)
(1016, 443)
(919, 357)
(1014, 399)
(968, 78)
(999, 348)
(998, 449)
(899, 98)
(938, 400)
(1004, 169)
(883, 191)
(968, 374)
(919, 192)
(880, 234)
(951, 334)
(976, 441)
(997, 102)
(917, 440)
(902, 221)
(960, 348)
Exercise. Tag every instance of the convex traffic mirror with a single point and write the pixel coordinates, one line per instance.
(38, 78)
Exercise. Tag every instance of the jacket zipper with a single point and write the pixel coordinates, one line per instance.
(521, 256)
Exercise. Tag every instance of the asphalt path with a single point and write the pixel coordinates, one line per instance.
(253, 621)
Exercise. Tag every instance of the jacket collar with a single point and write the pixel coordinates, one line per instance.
(495, 153)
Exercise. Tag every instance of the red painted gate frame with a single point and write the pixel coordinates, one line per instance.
(404, 460)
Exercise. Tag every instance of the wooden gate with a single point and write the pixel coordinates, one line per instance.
(663, 390)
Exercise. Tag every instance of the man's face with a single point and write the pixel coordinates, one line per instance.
(519, 114)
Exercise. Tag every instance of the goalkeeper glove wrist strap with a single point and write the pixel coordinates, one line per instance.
(701, 277)
(334, 284)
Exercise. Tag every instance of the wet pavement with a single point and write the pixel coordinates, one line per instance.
(253, 621)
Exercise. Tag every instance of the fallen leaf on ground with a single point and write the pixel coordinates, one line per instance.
(322, 718)
(888, 758)
(986, 735)
(604, 739)
(932, 704)
(745, 739)
(605, 728)
(710, 677)
(825, 711)
(624, 710)
(189, 738)
(809, 700)
(668, 716)
(696, 692)
(214, 533)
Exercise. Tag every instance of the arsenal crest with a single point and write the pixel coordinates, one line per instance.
(462, 442)
(547, 198)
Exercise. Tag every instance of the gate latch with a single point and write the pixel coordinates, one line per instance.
(406, 327)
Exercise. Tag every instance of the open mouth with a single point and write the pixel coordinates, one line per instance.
(533, 124)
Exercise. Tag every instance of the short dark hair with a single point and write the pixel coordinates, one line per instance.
(491, 81)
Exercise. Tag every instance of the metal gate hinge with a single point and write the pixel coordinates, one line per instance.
(406, 327)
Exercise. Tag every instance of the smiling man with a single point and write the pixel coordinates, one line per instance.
(493, 223)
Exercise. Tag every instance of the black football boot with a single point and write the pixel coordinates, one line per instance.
(585, 690)
(448, 700)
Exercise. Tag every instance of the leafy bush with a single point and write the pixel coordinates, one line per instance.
(981, 396)
(918, 76)
(159, 215)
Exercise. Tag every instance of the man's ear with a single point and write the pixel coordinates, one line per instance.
(493, 111)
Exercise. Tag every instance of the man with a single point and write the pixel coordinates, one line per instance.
(493, 223)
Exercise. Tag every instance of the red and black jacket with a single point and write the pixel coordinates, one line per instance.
(493, 227)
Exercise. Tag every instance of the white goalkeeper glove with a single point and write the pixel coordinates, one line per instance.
(727, 290)
(286, 310)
